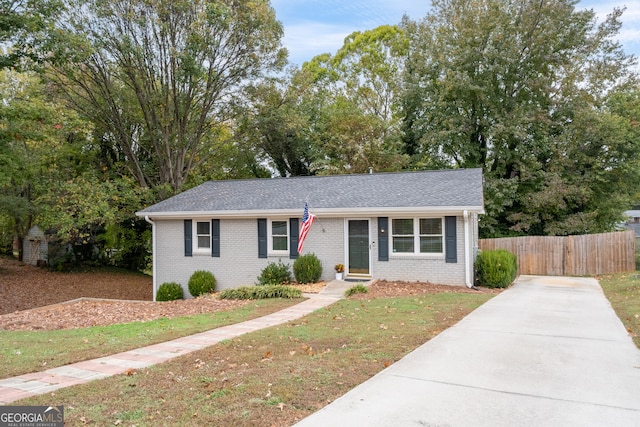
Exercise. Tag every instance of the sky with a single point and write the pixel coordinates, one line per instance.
(313, 27)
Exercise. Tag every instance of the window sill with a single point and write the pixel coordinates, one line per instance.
(202, 253)
(278, 254)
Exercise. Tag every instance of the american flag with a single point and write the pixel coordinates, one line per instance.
(307, 220)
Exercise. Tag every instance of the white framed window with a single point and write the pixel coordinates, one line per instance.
(417, 236)
(202, 237)
(279, 236)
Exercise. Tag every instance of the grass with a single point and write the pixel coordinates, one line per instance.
(623, 292)
(272, 377)
(25, 352)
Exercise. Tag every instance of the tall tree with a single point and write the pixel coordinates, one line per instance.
(156, 77)
(359, 124)
(279, 120)
(40, 148)
(514, 88)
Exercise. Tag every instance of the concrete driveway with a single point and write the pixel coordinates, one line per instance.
(549, 351)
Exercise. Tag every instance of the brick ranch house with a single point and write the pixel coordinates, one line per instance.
(417, 226)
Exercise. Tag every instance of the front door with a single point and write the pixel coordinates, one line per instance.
(359, 247)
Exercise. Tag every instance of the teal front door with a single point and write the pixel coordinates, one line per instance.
(359, 247)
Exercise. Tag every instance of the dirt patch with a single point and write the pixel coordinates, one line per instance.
(35, 299)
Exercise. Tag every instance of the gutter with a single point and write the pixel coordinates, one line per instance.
(153, 254)
(327, 212)
(467, 252)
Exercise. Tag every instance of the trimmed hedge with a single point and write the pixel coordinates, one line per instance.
(261, 292)
(169, 291)
(201, 282)
(496, 268)
(275, 274)
(307, 269)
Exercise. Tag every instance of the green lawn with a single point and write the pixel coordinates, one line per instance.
(25, 352)
(271, 377)
(277, 376)
(623, 291)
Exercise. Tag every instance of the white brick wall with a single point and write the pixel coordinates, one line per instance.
(239, 264)
(424, 268)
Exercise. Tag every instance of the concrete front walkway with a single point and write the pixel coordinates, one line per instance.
(23, 386)
(549, 351)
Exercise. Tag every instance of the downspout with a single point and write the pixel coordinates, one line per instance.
(153, 253)
(467, 252)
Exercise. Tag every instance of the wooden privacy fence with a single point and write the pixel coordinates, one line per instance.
(586, 255)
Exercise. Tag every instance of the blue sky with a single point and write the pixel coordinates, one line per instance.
(318, 26)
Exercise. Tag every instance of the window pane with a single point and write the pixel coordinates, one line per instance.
(279, 228)
(203, 227)
(279, 243)
(430, 226)
(403, 244)
(204, 242)
(431, 244)
(403, 226)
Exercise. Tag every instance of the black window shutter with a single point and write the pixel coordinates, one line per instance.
(383, 238)
(188, 238)
(262, 237)
(215, 238)
(294, 234)
(450, 240)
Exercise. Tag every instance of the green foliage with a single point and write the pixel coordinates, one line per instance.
(282, 123)
(482, 82)
(169, 291)
(356, 289)
(307, 268)
(201, 282)
(127, 245)
(26, 31)
(496, 268)
(275, 274)
(133, 58)
(261, 292)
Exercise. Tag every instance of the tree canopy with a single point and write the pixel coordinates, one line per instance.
(112, 105)
(27, 31)
(157, 77)
(520, 89)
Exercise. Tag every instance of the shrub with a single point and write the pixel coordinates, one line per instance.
(201, 282)
(275, 274)
(169, 291)
(261, 292)
(357, 289)
(496, 268)
(307, 269)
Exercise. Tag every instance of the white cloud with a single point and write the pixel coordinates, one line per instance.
(308, 39)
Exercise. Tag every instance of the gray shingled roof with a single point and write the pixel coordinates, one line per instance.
(428, 189)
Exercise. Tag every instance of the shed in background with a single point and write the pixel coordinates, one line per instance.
(35, 247)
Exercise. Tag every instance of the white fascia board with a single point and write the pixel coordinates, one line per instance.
(351, 212)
